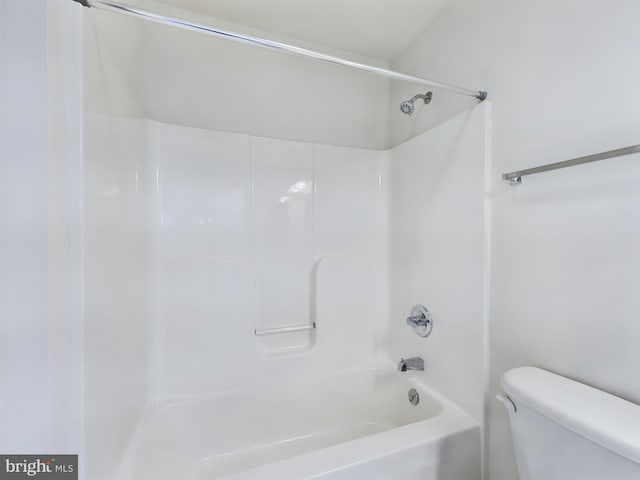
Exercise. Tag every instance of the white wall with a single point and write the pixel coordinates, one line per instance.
(563, 78)
(40, 353)
(437, 256)
(111, 63)
(180, 77)
(24, 408)
(196, 80)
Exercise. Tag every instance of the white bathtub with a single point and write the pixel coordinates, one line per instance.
(355, 425)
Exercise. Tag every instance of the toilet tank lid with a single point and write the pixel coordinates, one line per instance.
(601, 417)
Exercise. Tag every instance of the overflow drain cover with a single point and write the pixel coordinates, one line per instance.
(414, 398)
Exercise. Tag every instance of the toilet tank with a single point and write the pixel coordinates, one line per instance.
(565, 430)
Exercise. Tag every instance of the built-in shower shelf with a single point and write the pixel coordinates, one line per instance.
(290, 329)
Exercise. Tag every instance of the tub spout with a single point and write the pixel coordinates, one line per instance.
(415, 363)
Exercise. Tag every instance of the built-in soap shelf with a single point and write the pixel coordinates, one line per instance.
(275, 331)
(343, 293)
(297, 334)
(285, 340)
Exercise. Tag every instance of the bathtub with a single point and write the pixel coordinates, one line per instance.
(353, 425)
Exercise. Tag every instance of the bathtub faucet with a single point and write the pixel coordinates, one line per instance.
(415, 363)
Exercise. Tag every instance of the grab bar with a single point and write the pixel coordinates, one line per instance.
(515, 178)
(294, 328)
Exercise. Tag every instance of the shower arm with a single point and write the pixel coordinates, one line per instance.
(421, 96)
(110, 6)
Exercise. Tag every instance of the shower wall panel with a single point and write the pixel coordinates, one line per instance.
(282, 239)
(200, 248)
(116, 330)
(438, 254)
(252, 233)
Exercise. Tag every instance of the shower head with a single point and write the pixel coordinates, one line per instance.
(407, 107)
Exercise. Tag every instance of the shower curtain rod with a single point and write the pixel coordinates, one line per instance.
(270, 44)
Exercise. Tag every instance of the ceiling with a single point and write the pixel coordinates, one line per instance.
(380, 29)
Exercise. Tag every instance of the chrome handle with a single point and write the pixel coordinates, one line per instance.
(417, 320)
(420, 320)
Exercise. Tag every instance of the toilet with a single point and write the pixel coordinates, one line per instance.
(565, 430)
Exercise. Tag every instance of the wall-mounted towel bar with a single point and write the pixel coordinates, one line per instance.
(515, 178)
(295, 328)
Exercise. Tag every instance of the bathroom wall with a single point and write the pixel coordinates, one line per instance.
(562, 77)
(176, 76)
(40, 352)
(181, 77)
(111, 47)
(438, 256)
(24, 395)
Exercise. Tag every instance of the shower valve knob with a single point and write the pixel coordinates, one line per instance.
(420, 320)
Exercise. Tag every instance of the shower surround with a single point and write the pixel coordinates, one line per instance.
(221, 234)
(199, 239)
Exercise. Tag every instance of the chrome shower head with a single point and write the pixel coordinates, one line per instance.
(407, 107)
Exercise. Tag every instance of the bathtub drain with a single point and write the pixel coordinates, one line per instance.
(414, 398)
